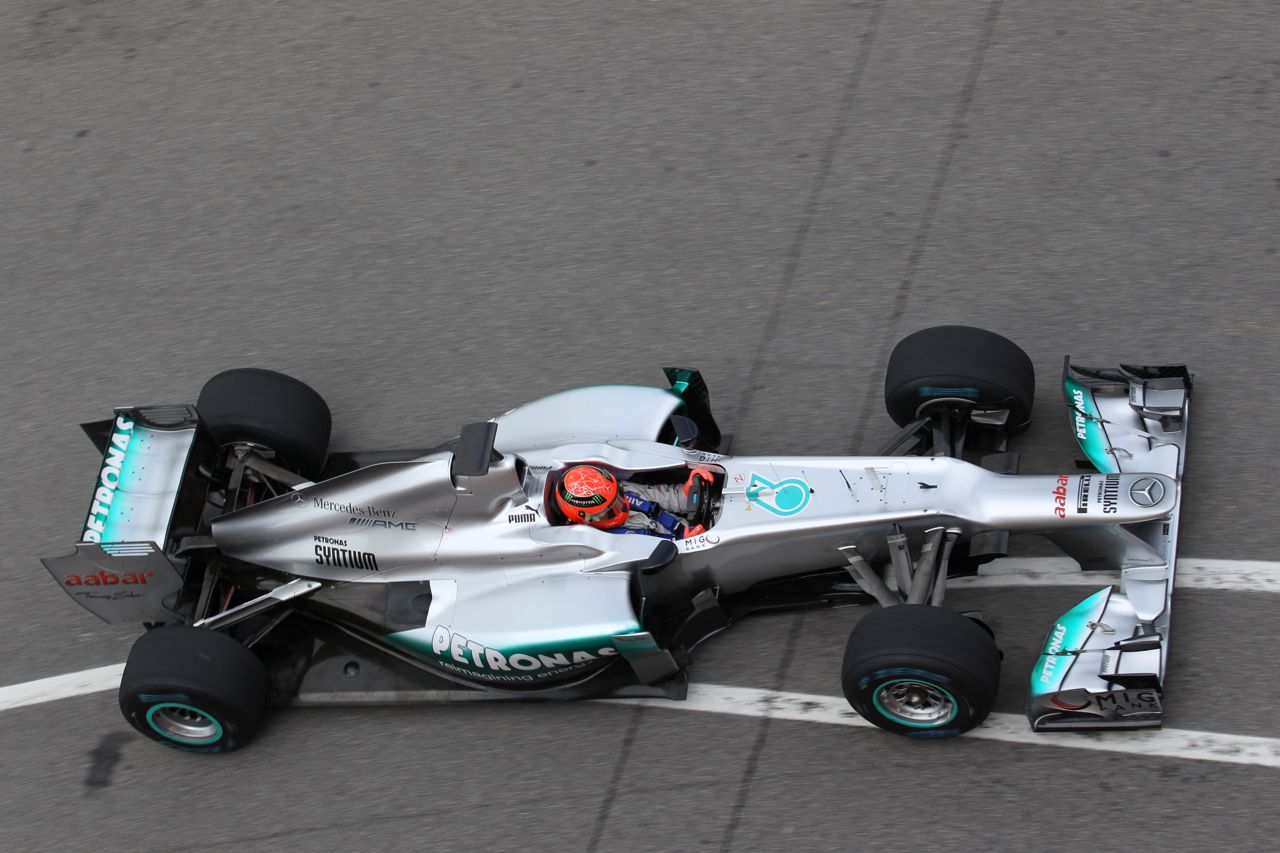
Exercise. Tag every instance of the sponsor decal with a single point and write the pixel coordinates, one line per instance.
(356, 521)
(330, 541)
(1087, 425)
(345, 558)
(699, 542)
(1081, 422)
(114, 595)
(108, 480)
(1061, 702)
(784, 498)
(364, 510)
(1128, 701)
(521, 517)
(105, 578)
(1115, 703)
(1109, 493)
(467, 657)
(1056, 640)
(1069, 634)
(1147, 492)
(1082, 494)
(1060, 497)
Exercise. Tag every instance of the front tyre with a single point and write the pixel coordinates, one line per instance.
(921, 671)
(193, 689)
(959, 367)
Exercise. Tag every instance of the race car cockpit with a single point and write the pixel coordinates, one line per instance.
(677, 501)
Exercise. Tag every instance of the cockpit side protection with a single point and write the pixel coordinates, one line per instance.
(692, 388)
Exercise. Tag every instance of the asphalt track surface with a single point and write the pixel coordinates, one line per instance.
(431, 212)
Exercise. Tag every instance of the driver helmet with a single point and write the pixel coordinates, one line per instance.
(590, 495)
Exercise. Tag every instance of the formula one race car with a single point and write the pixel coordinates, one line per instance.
(269, 571)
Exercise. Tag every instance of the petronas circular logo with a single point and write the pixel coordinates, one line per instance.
(785, 497)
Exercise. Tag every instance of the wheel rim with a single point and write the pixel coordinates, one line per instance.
(918, 704)
(184, 724)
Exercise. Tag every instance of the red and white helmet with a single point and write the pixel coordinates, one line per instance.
(591, 495)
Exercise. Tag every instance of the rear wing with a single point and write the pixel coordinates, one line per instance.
(1103, 663)
(148, 494)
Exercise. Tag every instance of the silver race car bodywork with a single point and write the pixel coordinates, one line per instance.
(456, 562)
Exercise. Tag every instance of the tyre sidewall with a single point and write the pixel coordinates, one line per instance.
(201, 669)
(271, 409)
(963, 365)
(138, 702)
(876, 673)
(931, 645)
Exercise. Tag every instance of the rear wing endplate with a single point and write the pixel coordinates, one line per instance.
(146, 496)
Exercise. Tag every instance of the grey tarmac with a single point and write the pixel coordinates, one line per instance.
(434, 212)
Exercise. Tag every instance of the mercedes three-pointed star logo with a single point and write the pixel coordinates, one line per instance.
(1147, 492)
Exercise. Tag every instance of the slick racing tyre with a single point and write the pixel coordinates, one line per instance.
(962, 366)
(921, 671)
(263, 407)
(193, 689)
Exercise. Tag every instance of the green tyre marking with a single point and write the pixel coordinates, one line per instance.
(162, 706)
(875, 699)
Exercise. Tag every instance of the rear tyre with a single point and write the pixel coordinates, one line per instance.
(921, 671)
(959, 366)
(263, 407)
(193, 689)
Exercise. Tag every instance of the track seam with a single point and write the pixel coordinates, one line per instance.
(753, 758)
(809, 214)
(921, 240)
(606, 805)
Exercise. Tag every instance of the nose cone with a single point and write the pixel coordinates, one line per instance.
(1149, 495)
(1147, 492)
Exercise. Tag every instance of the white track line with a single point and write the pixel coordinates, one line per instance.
(1228, 575)
(1010, 728)
(805, 708)
(61, 687)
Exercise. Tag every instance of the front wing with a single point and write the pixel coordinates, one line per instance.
(1103, 663)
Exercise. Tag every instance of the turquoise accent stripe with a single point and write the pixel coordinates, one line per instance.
(1089, 433)
(116, 520)
(932, 391)
(131, 471)
(1066, 638)
(217, 726)
(875, 700)
(784, 498)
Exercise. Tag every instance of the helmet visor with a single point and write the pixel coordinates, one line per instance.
(611, 515)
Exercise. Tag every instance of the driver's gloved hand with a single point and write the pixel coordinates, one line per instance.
(692, 531)
(697, 488)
